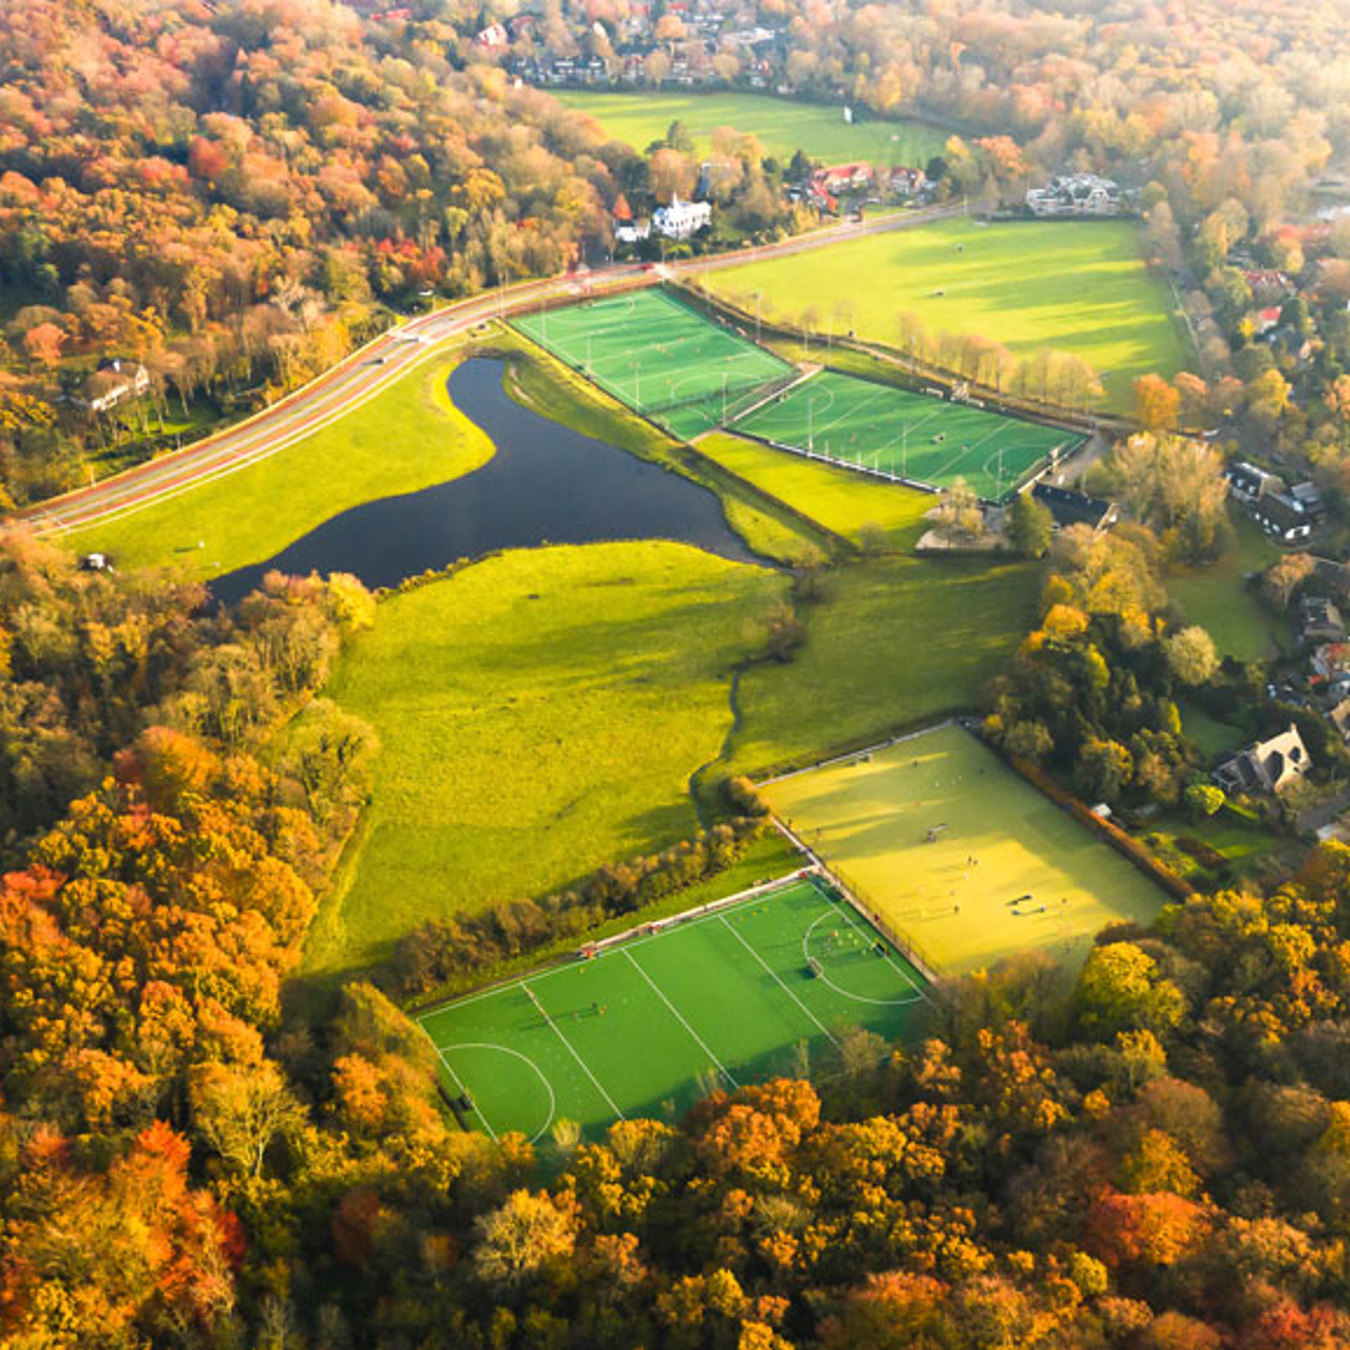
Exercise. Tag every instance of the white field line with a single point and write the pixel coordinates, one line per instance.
(585, 1068)
(459, 1083)
(777, 980)
(856, 754)
(679, 1016)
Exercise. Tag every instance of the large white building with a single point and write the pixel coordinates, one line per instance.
(681, 220)
(1079, 194)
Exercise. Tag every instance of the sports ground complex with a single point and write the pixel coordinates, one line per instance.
(731, 994)
(960, 856)
(898, 434)
(691, 375)
(658, 357)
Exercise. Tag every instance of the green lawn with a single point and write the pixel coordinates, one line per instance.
(1006, 869)
(783, 126)
(1217, 598)
(1075, 286)
(645, 1027)
(849, 504)
(407, 437)
(540, 714)
(892, 641)
(889, 430)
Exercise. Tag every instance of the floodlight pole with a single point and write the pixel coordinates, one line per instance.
(759, 295)
(724, 398)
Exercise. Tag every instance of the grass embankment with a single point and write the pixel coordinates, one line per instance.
(409, 436)
(539, 714)
(1074, 286)
(1217, 597)
(859, 508)
(783, 126)
(892, 642)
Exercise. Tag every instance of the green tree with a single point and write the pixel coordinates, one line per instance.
(1121, 989)
(1030, 526)
(1191, 655)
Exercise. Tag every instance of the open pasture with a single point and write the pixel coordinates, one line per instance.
(712, 999)
(894, 433)
(1074, 286)
(656, 356)
(959, 855)
(783, 126)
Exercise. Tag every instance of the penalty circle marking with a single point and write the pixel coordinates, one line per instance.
(449, 1050)
(858, 998)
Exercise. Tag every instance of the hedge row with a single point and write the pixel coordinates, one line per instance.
(444, 949)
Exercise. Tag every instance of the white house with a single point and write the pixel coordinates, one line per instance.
(1266, 766)
(114, 381)
(681, 220)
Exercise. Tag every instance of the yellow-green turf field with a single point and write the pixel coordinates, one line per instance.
(1006, 870)
(849, 504)
(783, 126)
(718, 998)
(1074, 286)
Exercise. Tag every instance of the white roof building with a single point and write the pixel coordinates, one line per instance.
(681, 220)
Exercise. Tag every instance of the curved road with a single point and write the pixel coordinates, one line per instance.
(366, 371)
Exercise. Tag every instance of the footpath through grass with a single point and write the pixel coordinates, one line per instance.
(1005, 869)
(886, 430)
(409, 436)
(783, 126)
(1074, 286)
(540, 714)
(646, 1027)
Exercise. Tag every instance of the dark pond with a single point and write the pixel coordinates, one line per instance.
(546, 484)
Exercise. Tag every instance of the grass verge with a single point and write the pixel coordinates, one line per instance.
(409, 436)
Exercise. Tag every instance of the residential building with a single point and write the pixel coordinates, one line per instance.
(1269, 766)
(1319, 620)
(1248, 483)
(115, 380)
(681, 220)
(1282, 516)
(1079, 194)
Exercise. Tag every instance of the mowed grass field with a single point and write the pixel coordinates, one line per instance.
(783, 126)
(1074, 286)
(880, 429)
(891, 642)
(409, 436)
(716, 999)
(539, 714)
(849, 504)
(655, 355)
(1006, 871)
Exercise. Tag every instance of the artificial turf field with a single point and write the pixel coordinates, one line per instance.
(656, 356)
(900, 434)
(644, 1028)
(1038, 879)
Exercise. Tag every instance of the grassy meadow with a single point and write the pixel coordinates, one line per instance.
(1075, 286)
(409, 436)
(850, 504)
(783, 126)
(891, 641)
(540, 713)
(1217, 598)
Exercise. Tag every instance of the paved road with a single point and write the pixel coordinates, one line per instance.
(367, 371)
